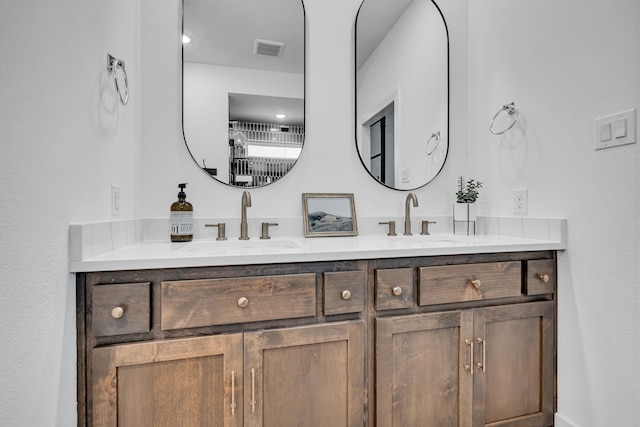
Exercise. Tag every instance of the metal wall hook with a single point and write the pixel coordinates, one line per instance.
(434, 137)
(113, 65)
(512, 111)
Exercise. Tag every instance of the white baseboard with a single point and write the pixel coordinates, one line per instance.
(559, 421)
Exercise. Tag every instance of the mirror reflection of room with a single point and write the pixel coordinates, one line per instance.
(402, 91)
(262, 147)
(243, 96)
(381, 146)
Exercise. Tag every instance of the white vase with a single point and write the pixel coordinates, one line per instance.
(464, 212)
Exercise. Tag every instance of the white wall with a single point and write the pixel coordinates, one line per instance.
(565, 64)
(64, 139)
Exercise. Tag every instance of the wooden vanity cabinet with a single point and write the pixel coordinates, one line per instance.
(460, 340)
(305, 376)
(475, 367)
(189, 381)
(224, 346)
(475, 349)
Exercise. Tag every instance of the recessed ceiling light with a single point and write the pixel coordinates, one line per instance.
(186, 39)
(281, 115)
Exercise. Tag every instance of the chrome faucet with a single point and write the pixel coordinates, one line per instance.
(407, 214)
(246, 203)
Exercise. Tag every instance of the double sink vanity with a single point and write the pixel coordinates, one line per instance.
(366, 330)
(350, 331)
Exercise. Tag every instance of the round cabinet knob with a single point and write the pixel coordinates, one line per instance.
(243, 302)
(476, 283)
(397, 291)
(346, 294)
(544, 277)
(117, 312)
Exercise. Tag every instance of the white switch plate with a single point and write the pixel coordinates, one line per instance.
(115, 200)
(520, 201)
(405, 175)
(615, 130)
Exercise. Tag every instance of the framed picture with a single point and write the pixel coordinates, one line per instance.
(329, 214)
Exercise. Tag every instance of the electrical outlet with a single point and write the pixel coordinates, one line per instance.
(115, 200)
(520, 201)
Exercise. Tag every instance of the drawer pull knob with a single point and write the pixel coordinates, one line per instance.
(243, 302)
(117, 312)
(544, 278)
(346, 294)
(476, 283)
(397, 291)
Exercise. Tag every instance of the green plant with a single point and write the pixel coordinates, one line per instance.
(467, 190)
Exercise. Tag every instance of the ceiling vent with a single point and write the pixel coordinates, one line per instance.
(267, 48)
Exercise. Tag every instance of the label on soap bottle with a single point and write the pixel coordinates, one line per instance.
(181, 223)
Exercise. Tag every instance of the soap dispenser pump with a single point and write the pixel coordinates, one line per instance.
(181, 218)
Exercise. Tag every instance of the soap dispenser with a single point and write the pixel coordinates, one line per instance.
(181, 218)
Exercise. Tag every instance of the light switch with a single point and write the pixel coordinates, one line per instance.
(405, 175)
(615, 130)
(605, 132)
(621, 128)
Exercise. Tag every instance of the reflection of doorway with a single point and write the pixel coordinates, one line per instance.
(381, 140)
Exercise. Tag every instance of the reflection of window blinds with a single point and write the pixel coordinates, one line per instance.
(269, 133)
(273, 152)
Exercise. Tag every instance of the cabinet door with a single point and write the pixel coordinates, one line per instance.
(514, 376)
(423, 370)
(182, 382)
(310, 376)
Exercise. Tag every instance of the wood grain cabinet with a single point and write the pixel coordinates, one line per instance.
(475, 367)
(457, 340)
(306, 376)
(310, 375)
(190, 382)
(224, 346)
(483, 356)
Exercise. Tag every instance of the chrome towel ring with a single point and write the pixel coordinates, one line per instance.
(512, 112)
(429, 149)
(113, 65)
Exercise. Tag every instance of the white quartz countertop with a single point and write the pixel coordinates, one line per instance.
(164, 254)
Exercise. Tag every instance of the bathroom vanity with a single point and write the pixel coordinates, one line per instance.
(424, 334)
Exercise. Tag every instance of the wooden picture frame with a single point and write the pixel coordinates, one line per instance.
(329, 214)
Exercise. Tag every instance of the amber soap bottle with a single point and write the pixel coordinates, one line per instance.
(181, 218)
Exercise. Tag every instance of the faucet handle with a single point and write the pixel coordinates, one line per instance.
(265, 229)
(392, 227)
(425, 226)
(221, 230)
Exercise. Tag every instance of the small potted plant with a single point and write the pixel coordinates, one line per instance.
(466, 196)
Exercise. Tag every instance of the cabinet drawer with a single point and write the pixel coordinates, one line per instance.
(541, 277)
(344, 292)
(469, 282)
(193, 303)
(394, 288)
(121, 309)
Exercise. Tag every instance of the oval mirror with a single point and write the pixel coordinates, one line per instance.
(402, 91)
(243, 87)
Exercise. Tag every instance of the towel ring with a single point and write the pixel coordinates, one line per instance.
(436, 137)
(113, 65)
(512, 111)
